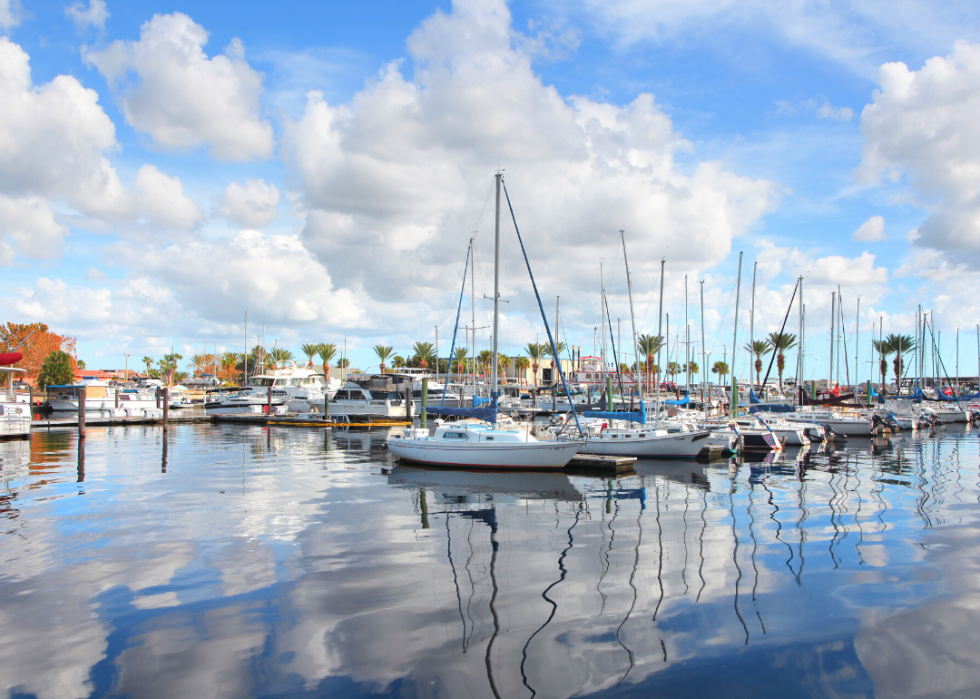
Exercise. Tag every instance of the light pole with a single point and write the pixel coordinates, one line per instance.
(127, 366)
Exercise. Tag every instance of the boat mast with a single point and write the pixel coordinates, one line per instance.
(496, 293)
(833, 330)
(704, 356)
(799, 346)
(738, 291)
(660, 319)
(687, 344)
(602, 322)
(755, 266)
(473, 305)
(857, 345)
(629, 287)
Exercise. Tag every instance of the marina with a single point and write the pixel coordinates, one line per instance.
(278, 561)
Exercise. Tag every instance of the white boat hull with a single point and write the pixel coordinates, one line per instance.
(504, 455)
(679, 445)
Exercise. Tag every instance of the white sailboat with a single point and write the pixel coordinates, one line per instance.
(483, 445)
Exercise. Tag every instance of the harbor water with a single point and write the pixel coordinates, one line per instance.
(253, 561)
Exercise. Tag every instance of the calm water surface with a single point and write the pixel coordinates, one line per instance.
(250, 562)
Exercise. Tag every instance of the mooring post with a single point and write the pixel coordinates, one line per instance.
(166, 407)
(425, 398)
(81, 412)
(424, 506)
(326, 405)
(157, 394)
(81, 462)
(409, 404)
(30, 398)
(115, 390)
(268, 401)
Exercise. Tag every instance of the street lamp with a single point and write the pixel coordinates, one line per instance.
(127, 366)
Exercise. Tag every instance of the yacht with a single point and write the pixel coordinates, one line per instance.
(301, 389)
(15, 408)
(102, 398)
(241, 401)
(376, 397)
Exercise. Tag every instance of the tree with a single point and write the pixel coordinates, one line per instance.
(383, 352)
(649, 346)
(149, 362)
(58, 369)
(521, 365)
(425, 354)
(535, 352)
(673, 369)
(168, 365)
(35, 342)
(503, 361)
(484, 358)
(202, 363)
(780, 342)
(720, 368)
(398, 361)
(900, 345)
(760, 348)
(343, 363)
(460, 360)
(180, 376)
(883, 349)
(281, 355)
(80, 364)
(693, 368)
(310, 350)
(327, 351)
(228, 370)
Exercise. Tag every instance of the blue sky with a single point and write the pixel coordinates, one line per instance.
(176, 165)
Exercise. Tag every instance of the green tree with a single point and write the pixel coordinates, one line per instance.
(280, 355)
(673, 369)
(460, 359)
(149, 363)
(425, 354)
(310, 350)
(80, 363)
(720, 368)
(900, 345)
(780, 342)
(343, 363)
(693, 368)
(383, 352)
(484, 358)
(397, 362)
(535, 351)
(58, 369)
(760, 348)
(503, 361)
(648, 346)
(522, 364)
(327, 352)
(883, 349)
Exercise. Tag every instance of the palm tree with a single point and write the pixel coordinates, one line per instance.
(693, 368)
(343, 363)
(310, 350)
(900, 345)
(397, 362)
(760, 348)
(459, 357)
(424, 353)
(521, 365)
(327, 351)
(148, 361)
(280, 355)
(883, 349)
(383, 352)
(648, 346)
(720, 368)
(780, 342)
(258, 357)
(535, 351)
(484, 359)
(503, 361)
(168, 365)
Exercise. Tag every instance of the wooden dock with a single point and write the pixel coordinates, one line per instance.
(590, 464)
(94, 420)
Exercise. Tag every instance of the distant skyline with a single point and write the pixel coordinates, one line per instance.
(166, 167)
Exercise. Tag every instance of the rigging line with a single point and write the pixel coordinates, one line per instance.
(704, 525)
(612, 538)
(636, 563)
(493, 610)
(459, 308)
(731, 505)
(687, 496)
(469, 573)
(660, 551)
(646, 311)
(554, 605)
(779, 527)
(721, 323)
(449, 297)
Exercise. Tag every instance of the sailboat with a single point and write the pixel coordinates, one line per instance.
(482, 445)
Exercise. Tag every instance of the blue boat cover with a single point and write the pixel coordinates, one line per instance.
(774, 408)
(686, 400)
(635, 416)
(753, 398)
(487, 413)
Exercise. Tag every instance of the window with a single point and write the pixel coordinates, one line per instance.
(488, 439)
(454, 435)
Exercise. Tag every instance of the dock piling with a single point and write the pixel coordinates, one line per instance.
(166, 406)
(268, 401)
(425, 399)
(82, 392)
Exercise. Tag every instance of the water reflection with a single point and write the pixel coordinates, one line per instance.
(259, 561)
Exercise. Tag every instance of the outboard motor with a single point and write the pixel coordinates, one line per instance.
(892, 422)
(832, 435)
(975, 415)
(815, 434)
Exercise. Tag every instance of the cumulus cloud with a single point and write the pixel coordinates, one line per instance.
(871, 231)
(94, 15)
(30, 224)
(161, 199)
(921, 125)
(251, 206)
(394, 180)
(182, 98)
(272, 276)
(9, 14)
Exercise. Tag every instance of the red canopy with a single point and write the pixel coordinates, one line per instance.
(10, 358)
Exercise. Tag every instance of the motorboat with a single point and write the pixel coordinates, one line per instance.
(372, 398)
(849, 424)
(239, 401)
(103, 399)
(15, 408)
(301, 389)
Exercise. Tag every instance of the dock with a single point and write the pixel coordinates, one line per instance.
(95, 420)
(591, 464)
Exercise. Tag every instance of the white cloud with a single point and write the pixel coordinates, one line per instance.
(184, 99)
(832, 113)
(271, 276)
(871, 231)
(161, 199)
(94, 15)
(30, 224)
(394, 180)
(251, 206)
(9, 14)
(922, 125)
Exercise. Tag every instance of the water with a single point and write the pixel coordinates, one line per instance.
(253, 562)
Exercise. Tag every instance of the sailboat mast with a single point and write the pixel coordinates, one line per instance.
(660, 319)
(833, 330)
(799, 345)
(629, 287)
(857, 345)
(738, 291)
(602, 321)
(687, 343)
(755, 266)
(704, 356)
(245, 381)
(473, 307)
(496, 289)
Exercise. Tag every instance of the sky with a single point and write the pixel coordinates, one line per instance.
(168, 167)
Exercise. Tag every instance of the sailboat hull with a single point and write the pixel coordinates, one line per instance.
(681, 445)
(521, 455)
